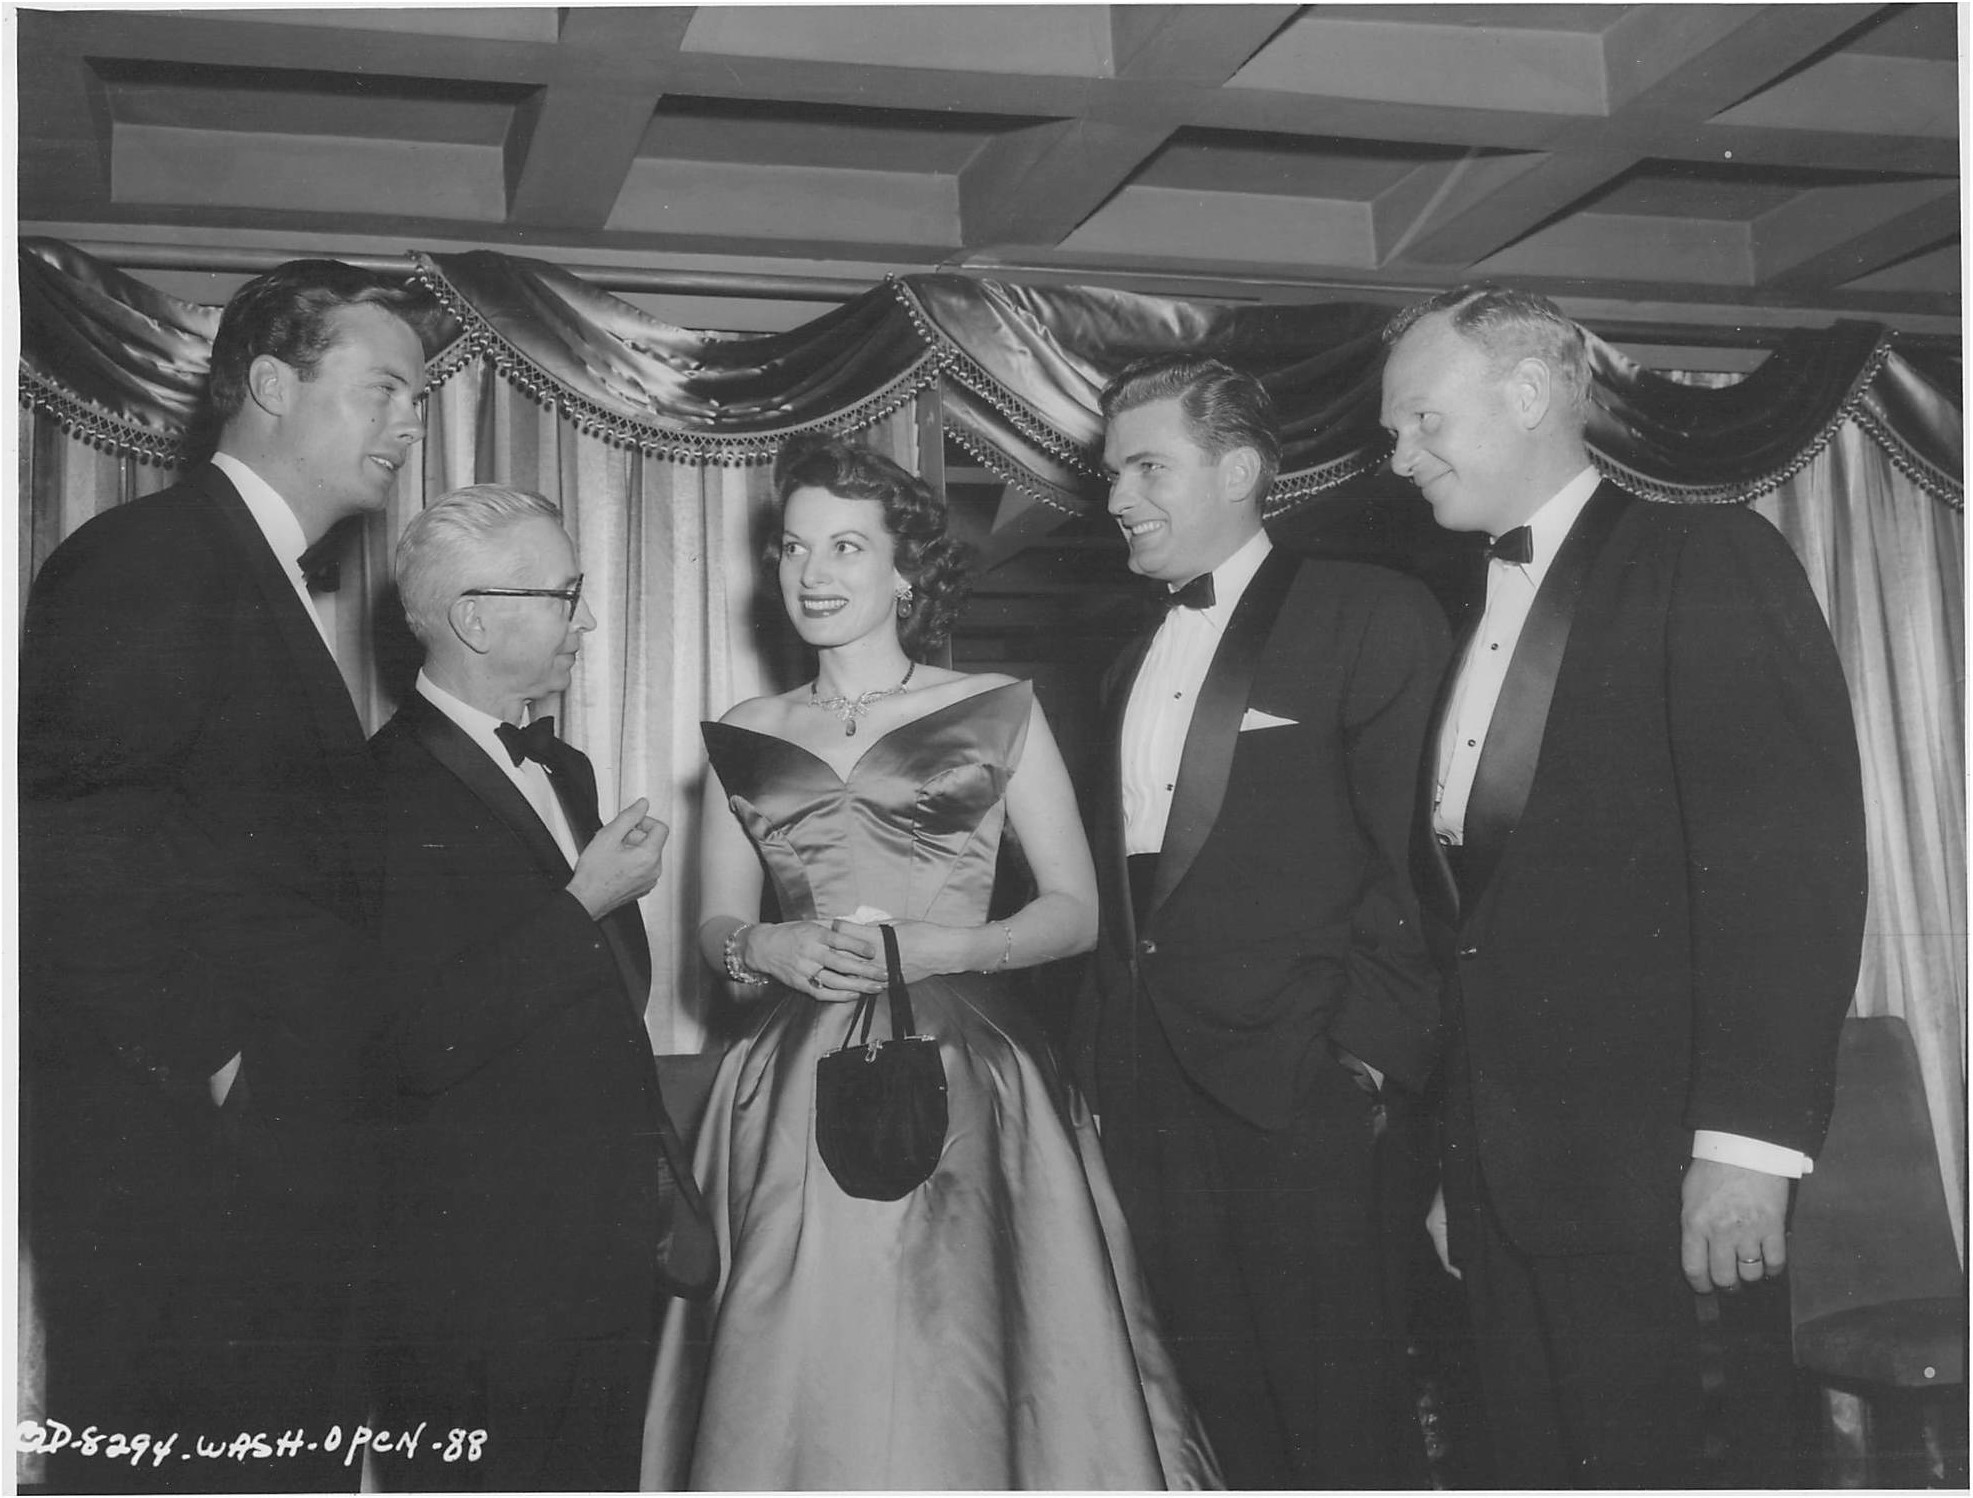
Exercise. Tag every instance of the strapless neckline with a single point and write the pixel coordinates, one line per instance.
(876, 743)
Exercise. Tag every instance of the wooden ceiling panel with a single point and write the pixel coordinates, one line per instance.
(1693, 252)
(1418, 60)
(1928, 30)
(1052, 40)
(1935, 271)
(309, 102)
(1230, 226)
(1285, 165)
(1840, 233)
(805, 205)
(157, 164)
(1681, 189)
(537, 24)
(877, 140)
(1860, 94)
(1590, 20)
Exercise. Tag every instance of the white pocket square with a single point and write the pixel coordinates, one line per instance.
(1255, 718)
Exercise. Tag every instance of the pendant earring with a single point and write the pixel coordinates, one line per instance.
(905, 597)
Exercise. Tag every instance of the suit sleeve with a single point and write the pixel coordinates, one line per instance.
(1390, 1017)
(169, 946)
(1771, 804)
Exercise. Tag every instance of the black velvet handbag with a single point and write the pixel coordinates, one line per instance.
(880, 1109)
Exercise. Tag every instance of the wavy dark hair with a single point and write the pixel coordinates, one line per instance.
(930, 559)
(286, 313)
(1224, 407)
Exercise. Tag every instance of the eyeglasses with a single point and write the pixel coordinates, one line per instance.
(569, 596)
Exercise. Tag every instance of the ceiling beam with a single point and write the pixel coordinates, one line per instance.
(64, 151)
(1200, 44)
(1496, 199)
(570, 145)
(1836, 234)
(1034, 186)
(1037, 185)
(1663, 62)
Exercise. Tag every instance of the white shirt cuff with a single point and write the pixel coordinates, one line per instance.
(1755, 1154)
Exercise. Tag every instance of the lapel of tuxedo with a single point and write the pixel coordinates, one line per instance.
(574, 780)
(447, 743)
(1438, 891)
(1110, 840)
(1506, 771)
(339, 730)
(1215, 730)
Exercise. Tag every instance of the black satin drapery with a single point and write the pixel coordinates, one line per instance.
(1019, 368)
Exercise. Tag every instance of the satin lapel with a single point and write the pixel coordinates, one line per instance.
(574, 781)
(358, 803)
(1116, 866)
(1506, 770)
(1215, 730)
(316, 672)
(1430, 872)
(447, 743)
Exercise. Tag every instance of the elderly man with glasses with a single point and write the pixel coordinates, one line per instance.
(540, 1204)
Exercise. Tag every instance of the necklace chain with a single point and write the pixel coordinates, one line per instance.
(848, 708)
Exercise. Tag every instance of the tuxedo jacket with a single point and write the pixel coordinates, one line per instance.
(1283, 916)
(1660, 909)
(536, 1185)
(201, 859)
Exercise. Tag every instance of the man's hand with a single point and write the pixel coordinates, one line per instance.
(621, 862)
(1435, 1230)
(1734, 1225)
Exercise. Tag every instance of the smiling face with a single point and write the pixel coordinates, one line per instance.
(1182, 510)
(342, 434)
(1460, 430)
(532, 643)
(838, 567)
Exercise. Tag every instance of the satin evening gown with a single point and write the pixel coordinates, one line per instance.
(987, 1331)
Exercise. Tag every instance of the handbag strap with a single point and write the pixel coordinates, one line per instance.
(901, 1025)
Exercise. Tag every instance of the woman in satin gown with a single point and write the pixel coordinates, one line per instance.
(989, 1330)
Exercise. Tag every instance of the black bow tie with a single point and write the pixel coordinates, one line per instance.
(1517, 546)
(321, 569)
(1197, 594)
(528, 743)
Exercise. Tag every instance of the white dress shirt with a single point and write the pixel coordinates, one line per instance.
(1159, 713)
(1511, 589)
(528, 777)
(278, 524)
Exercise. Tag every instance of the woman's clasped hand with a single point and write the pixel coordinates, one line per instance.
(825, 960)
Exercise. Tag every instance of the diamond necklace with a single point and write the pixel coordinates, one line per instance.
(849, 709)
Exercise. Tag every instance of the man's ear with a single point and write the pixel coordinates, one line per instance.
(469, 625)
(1239, 470)
(1530, 392)
(270, 383)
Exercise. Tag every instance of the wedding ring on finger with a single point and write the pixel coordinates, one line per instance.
(1755, 1260)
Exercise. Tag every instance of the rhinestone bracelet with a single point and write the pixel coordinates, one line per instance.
(734, 970)
(1006, 952)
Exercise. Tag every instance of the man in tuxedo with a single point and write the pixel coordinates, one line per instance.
(1261, 1004)
(1646, 877)
(539, 1199)
(201, 856)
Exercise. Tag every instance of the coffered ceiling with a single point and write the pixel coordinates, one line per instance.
(1689, 178)
(1724, 165)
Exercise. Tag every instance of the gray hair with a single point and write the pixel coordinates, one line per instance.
(446, 539)
(1509, 326)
